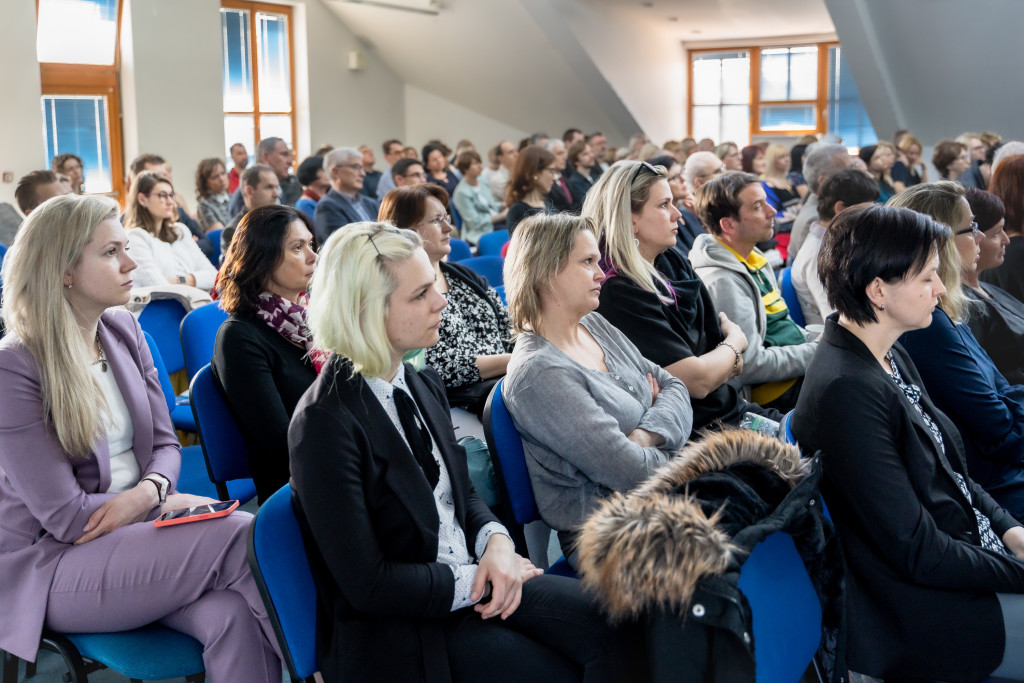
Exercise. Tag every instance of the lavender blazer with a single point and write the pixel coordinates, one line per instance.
(45, 499)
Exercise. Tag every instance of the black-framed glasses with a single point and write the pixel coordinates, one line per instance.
(643, 166)
(972, 228)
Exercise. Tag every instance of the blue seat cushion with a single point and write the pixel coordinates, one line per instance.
(150, 653)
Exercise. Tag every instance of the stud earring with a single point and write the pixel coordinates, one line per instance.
(68, 286)
(882, 307)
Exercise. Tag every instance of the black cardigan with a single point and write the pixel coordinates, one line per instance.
(372, 528)
(262, 376)
(920, 590)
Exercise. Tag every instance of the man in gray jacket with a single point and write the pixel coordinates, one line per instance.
(735, 211)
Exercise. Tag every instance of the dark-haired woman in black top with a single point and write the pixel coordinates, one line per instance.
(261, 361)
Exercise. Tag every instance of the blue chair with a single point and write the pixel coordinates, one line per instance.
(198, 334)
(277, 558)
(162, 319)
(214, 236)
(3, 252)
(785, 609)
(456, 218)
(460, 251)
(179, 406)
(789, 294)
(489, 266)
(150, 653)
(500, 289)
(492, 243)
(226, 456)
(506, 445)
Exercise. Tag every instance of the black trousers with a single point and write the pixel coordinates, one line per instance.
(557, 634)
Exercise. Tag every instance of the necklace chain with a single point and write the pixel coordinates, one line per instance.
(102, 360)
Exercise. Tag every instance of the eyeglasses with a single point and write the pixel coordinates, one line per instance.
(437, 221)
(674, 178)
(643, 166)
(162, 196)
(354, 167)
(972, 228)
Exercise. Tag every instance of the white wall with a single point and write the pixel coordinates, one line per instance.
(21, 136)
(429, 117)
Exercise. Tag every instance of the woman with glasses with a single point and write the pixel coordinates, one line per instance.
(529, 184)
(960, 377)
(475, 337)
(595, 415)
(164, 249)
(417, 580)
(729, 153)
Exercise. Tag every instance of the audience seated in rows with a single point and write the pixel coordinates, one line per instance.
(157, 164)
(275, 153)
(822, 159)
(997, 320)
(403, 550)
(932, 568)
(473, 199)
(315, 184)
(628, 415)
(90, 459)
(162, 248)
(839, 191)
(343, 204)
(259, 188)
(735, 211)
(212, 195)
(652, 295)
(960, 377)
(263, 358)
(1008, 185)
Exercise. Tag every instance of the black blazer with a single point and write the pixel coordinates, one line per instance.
(261, 376)
(372, 527)
(920, 591)
(556, 197)
(334, 211)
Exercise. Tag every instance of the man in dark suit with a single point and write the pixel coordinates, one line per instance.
(560, 195)
(343, 203)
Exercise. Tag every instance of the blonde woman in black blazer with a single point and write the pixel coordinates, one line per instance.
(933, 578)
(417, 579)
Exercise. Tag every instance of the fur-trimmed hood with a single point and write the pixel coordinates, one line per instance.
(654, 545)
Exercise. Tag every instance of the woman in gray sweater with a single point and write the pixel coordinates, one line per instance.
(595, 415)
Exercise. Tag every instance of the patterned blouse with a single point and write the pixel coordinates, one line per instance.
(469, 328)
(989, 540)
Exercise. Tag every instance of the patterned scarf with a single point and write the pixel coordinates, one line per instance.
(289, 321)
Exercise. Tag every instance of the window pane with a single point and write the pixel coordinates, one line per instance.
(707, 81)
(236, 59)
(239, 128)
(846, 114)
(78, 124)
(788, 117)
(736, 80)
(803, 73)
(775, 74)
(274, 73)
(706, 123)
(276, 126)
(76, 31)
(736, 124)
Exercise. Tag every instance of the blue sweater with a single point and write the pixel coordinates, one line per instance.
(987, 410)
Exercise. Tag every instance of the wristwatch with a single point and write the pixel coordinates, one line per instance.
(182, 280)
(162, 483)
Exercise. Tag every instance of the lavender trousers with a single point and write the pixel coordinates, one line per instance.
(192, 577)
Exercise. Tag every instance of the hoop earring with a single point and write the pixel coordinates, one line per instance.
(636, 241)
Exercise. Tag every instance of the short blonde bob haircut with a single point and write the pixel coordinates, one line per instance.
(539, 250)
(352, 287)
(941, 201)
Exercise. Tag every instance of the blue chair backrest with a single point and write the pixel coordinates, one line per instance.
(460, 251)
(500, 289)
(491, 243)
(214, 236)
(3, 252)
(505, 443)
(789, 294)
(198, 334)
(277, 558)
(226, 454)
(162, 319)
(785, 609)
(161, 371)
(489, 266)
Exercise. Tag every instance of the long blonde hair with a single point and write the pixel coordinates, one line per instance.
(48, 245)
(941, 201)
(352, 286)
(618, 194)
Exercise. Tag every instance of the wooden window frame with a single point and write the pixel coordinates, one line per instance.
(96, 80)
(256, 113)
(755, 102)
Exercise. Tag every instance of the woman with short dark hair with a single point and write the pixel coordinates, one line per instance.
(921, 540)
(1008, 184)
(950, 159)
(435, 161)
(263, 360)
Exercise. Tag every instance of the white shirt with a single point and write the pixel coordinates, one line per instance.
(451, 540)
(497, 181)
(809, 290)
(120, 433)
(157, 260)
